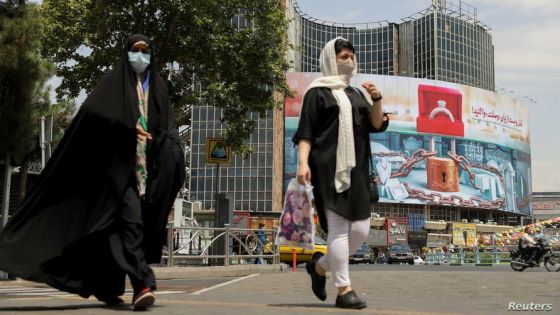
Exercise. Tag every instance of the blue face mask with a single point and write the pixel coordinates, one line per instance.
(138, 61)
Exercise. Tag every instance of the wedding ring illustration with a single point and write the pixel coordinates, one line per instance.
(441, 109)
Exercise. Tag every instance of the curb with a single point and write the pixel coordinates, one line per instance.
(167, 273)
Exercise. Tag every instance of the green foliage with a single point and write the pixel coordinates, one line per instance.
(22, 75)
(63, 112)
(204, 56)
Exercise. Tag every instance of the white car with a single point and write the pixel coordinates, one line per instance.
(418, 260)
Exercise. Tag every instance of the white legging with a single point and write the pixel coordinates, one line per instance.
(344, 238)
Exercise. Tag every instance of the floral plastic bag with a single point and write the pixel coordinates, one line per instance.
(296, 223)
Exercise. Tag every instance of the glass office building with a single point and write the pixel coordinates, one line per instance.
(444, 42)
(248, 182)
(374, 46)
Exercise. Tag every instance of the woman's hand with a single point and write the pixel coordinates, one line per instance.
(142, 135)
(303, 174)
(371, 89)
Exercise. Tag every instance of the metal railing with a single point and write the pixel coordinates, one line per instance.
(219, 246)
(460, 256)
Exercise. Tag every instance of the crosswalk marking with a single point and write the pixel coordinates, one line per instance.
(21, 291)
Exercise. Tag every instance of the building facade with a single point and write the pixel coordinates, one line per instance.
(247, 181)
(545, 205)
(444, 42)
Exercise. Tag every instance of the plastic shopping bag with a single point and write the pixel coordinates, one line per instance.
(296, 223)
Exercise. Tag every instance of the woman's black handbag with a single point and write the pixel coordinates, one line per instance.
(372, 182)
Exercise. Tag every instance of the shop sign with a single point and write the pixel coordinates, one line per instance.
(397, 230)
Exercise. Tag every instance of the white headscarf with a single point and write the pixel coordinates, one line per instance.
(345, 154)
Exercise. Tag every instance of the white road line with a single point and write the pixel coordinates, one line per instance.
(15, 289)
(224, 284)
(51, 292)
(10, 291)
(168, 292)
(157, 292)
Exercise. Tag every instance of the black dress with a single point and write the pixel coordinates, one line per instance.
(319, 124)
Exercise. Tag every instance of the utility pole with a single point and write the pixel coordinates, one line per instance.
(7, 182)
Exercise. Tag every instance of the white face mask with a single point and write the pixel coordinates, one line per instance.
(346, 68)
(138, 61)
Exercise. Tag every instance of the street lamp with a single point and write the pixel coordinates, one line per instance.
(526, 99)
(504, 91)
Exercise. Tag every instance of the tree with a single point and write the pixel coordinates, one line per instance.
(23, 73)
(201, 51)
(63, 112)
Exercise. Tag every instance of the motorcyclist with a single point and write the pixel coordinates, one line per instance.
(381, 258)
(529, 244)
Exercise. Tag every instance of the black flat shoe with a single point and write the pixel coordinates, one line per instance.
(350, 300)
(318, 282)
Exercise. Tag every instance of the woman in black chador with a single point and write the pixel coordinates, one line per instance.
(99, 208)
(333, 151)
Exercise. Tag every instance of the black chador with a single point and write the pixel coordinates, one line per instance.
(84, 226)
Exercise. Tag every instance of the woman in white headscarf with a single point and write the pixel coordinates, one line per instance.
(333, 150)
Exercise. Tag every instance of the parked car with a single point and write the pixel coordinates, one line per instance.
(418, 260)
(304, 255)
(400, 253)
(362, 255)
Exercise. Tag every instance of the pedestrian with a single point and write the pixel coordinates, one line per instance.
(261, 240)
(98, 210)
(333, 151)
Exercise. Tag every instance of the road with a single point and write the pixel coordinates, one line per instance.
(388, 289)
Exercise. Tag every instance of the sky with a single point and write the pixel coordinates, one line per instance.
(526, 37)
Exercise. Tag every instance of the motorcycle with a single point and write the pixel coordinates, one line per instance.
(520, 257)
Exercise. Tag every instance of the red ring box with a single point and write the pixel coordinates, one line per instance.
(428, 96)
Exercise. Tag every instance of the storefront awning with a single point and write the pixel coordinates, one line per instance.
(488, 228)
(438, 240)
(435, 225)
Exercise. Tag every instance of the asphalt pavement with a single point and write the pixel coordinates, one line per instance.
(271, 290)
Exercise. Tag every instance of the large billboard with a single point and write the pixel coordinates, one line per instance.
(447, 144)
